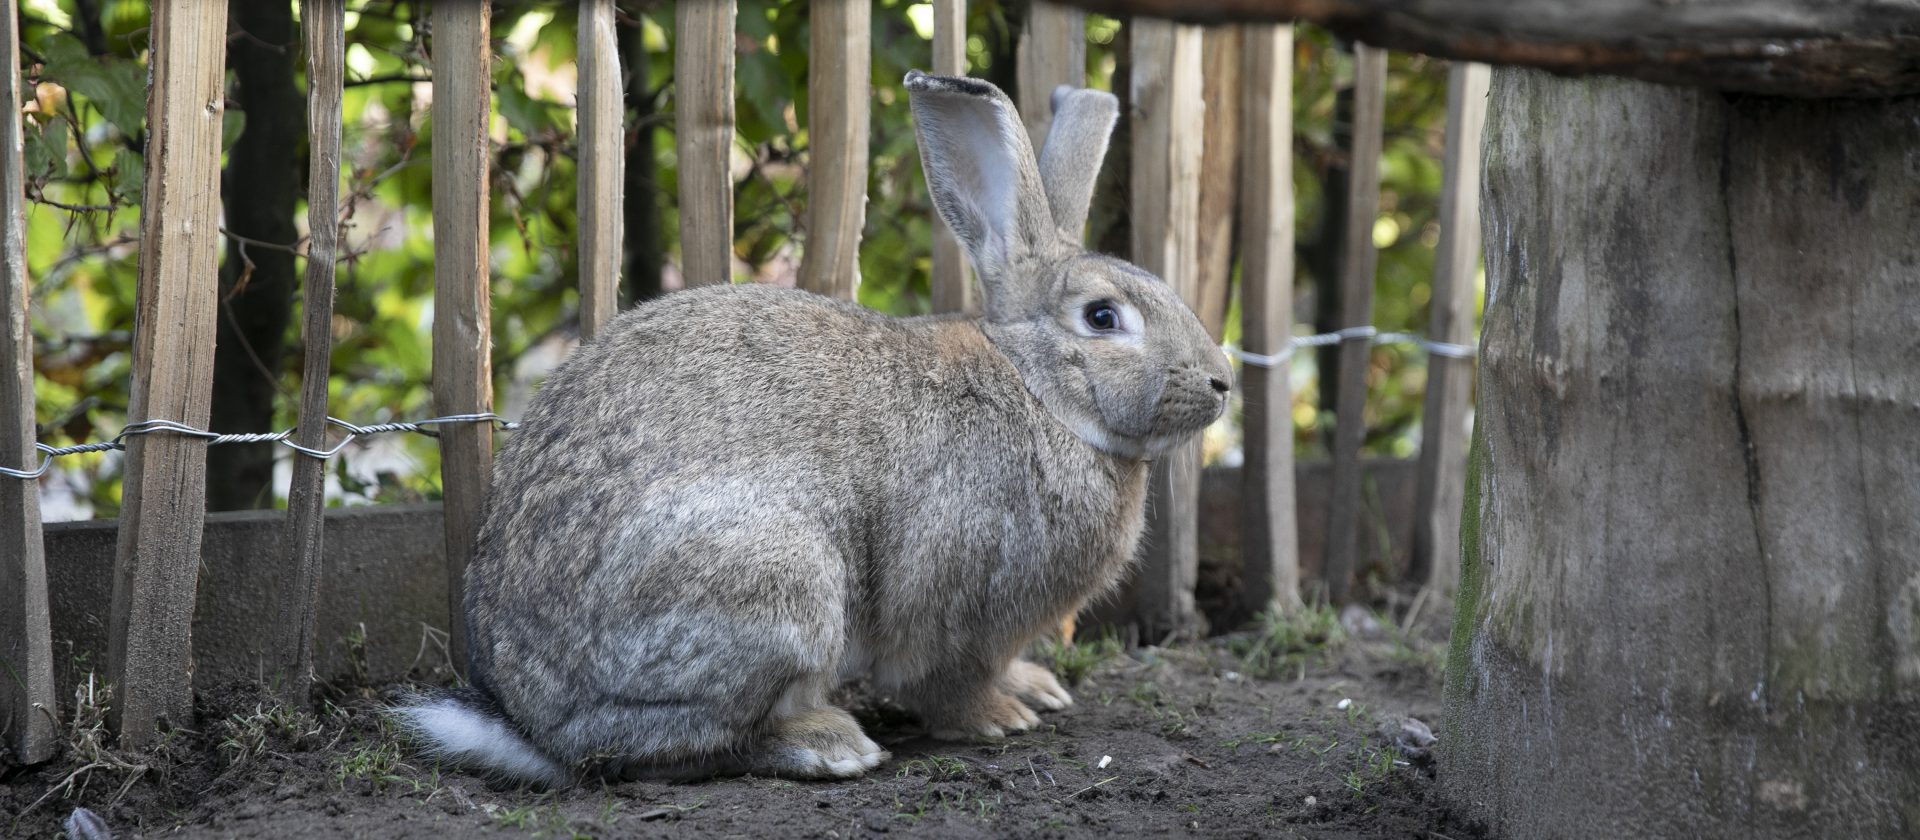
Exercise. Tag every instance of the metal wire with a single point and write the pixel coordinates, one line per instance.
(1433, 348)
(424, 427)
(353, 432)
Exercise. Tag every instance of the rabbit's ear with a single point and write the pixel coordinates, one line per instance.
(981, 172)
(1076, 144)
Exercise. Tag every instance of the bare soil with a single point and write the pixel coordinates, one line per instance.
(1183, 741)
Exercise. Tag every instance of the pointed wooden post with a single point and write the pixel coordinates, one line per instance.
(703, 137)
(1269, 542)
(324, 26)
(1166, 197)
(27, 709)
(952, 288)
(462, 329)
(600, 166)
(837, 121)
(156, 565)
(1443, 440)
(1358, 259)
(1052, 52)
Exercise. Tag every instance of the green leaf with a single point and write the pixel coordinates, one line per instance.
(130, 177)
(46, 151)
(232, 124)
(525, 114)
(117, 86)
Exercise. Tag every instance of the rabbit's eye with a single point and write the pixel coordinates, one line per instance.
(1101, 316)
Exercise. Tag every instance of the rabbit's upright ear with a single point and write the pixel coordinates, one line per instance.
(1076, 144)
(981, 172)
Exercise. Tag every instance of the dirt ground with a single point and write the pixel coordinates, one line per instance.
(1294, 730)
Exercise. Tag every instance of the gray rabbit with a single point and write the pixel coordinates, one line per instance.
(740, 497)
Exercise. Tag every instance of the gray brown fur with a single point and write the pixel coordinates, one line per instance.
(739, 496)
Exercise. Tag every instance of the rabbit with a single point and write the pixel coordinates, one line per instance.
(738, 497)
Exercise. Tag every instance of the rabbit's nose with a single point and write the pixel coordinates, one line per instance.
(1219, 385)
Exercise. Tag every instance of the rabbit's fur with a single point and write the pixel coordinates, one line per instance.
(739, 497)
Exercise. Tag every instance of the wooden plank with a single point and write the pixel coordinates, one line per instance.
(1219, 174)
(1166, 89)
(1052, 52)
(837, 120)
(149, 657)
(952, 287)
(462, 371)
(27, 708)
(1443, 439)
(1831, 48)
(601, 166)
(703, 137)
(1357, 263)
(323, 23)
(1269, 541)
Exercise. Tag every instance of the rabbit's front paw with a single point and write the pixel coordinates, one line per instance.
(823, 743)
(1035, 685)
(993, 717)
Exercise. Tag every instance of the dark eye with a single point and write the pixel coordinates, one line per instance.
(1101, 316)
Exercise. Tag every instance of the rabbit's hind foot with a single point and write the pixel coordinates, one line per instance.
(994, 715)
(818, 743)
(1035, 686)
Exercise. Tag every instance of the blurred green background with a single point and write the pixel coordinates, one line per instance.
(86, 70)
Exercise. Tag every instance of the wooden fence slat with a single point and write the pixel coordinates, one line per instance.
(157, 559)
(1269, 544)
(1219, 174)
(462, 371)
(323, 24)
(600, 169)
(27, 709)
(1052, 52)
(952, 288)
(703, 137)
(837, 121)
(1358, 259)
(1166, 89)
(1443, 442)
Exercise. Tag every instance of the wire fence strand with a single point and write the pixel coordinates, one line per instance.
(425, 427)
(353, 432)
(1433, 348)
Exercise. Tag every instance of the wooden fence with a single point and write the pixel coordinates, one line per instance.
(1171, 92)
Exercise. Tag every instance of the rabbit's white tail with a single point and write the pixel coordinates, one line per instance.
(464, 728)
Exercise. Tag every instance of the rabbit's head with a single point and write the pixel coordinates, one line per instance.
(1109, 348)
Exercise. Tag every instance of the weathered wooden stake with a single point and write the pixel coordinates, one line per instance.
(27, 710)
(1443, 441)
(1356, 292)
(462, 371)
(703, 137)
(601, 166)
(324, 25)
(1269, 544)
(952, 288)
(837, 121)
(1052, 52)
(1219, 174)
(1166, 104)
(149, 650)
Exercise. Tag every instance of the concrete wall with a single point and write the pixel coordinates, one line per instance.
(383, 580)
(384, 577)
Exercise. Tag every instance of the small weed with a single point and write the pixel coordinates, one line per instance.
(1285, 642)
(244, 737)
(934, 767)
(1147, 695)
(522, 818)
(1073, 661)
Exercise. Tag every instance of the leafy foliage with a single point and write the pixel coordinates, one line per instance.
(86, 69)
